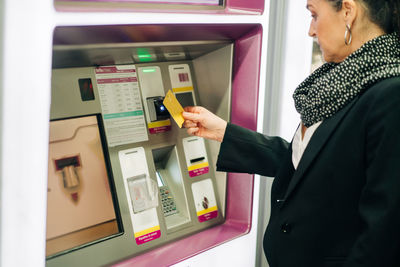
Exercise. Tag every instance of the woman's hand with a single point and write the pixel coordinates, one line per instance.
(201, 122)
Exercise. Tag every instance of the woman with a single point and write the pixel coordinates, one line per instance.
(336, 194)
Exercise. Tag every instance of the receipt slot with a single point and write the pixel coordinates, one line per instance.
(146, 188)
(196, 156)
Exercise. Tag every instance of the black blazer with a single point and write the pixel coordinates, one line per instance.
(341, 207)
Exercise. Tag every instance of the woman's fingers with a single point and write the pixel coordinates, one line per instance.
(191, 116)
(193, 109)
(193, 130)
(189, 124)
(201, 122)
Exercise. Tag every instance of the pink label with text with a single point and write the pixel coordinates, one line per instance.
(161, 129)
(200, 171)
(148, 237)
(208, 216)
(117, 80)
(113, 69)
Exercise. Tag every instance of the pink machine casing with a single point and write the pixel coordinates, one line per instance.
(247, 39)
(254, 7)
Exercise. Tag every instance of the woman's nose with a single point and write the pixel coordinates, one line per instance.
(311, 30)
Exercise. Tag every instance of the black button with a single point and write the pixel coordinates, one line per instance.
(285, 228)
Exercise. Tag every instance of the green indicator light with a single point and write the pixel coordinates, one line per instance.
(144, 54)
(149, 70)
(146, 59)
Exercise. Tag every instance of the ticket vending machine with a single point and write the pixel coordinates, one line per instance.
(124, 181)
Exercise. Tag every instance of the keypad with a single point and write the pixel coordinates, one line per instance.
(167, 201)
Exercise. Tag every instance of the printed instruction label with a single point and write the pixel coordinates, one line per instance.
(159, 126)
(198, 169)
(121, 104)
(147, 235)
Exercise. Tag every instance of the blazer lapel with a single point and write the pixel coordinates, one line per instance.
(319, 138)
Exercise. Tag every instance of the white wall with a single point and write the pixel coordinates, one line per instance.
(288, 65)
(296, 63)
(26, 57)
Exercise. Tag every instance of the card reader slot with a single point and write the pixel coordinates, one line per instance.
(196, 160)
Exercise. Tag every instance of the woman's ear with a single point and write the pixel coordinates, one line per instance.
(349, 10)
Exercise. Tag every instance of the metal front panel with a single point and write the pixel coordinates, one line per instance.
(66, 102)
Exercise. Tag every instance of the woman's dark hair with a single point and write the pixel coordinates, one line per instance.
(384, 13)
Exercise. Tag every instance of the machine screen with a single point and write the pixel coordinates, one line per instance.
(80, 207)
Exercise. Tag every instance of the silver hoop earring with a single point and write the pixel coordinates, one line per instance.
(347, 35)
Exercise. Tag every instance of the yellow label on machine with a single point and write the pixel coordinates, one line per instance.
(159, 123)
(174, 108)
(147, 231)
(198, 166)
(182, 89)
(205, 211)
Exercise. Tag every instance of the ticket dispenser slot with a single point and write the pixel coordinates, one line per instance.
(196, 156)
(173, 197)
(175, 56)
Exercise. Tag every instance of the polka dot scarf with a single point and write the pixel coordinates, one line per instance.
(333, 85)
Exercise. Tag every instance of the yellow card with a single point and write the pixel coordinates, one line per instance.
(174, 108)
